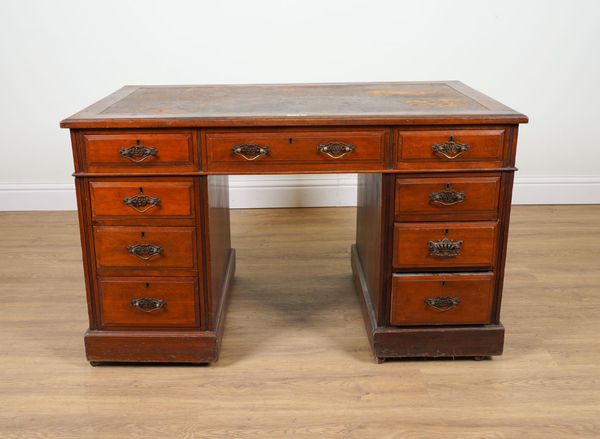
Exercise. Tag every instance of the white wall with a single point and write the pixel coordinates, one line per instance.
(541, 58)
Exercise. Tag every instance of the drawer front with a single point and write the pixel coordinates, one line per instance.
(148, 302)
(442, 299)
(161, 199)
(444, 245)
(447, 198)
(450, 149)
(141, 151)
(295, 149)
(144, 247)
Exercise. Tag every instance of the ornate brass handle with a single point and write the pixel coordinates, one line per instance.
(442, 303)
(145, 251)
(450, 149)
(447, 197)
(250, 151)
(336, 150)
(446, 248)
(138, 153)
(141, 202)
(146, 304)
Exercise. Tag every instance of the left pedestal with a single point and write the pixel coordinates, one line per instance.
(156, 247)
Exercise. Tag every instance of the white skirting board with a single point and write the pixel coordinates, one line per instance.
(266, 191)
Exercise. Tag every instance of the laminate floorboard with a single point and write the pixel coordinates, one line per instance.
(295, 360)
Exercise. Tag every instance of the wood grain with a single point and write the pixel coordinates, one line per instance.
(478, 197)
(295, 149)
(172, 198)
(177, 246)
(175, 151)
(474, 292)
(181, 308)
(296, 362)
(485, 148)
(412, 252)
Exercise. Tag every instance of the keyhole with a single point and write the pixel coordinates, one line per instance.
(443, 283)
(147, 285)
(143, 234)
(446, 232)
(141, 190)
(137, 141)
(290, 140)
(447, 185)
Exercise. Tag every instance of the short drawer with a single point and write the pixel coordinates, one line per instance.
(145, 247)
(441, 198)
(442, 299)
(444, 245)
(450, 149)
(140, 198)
(249, 150)
(148, 302)
(139, 151)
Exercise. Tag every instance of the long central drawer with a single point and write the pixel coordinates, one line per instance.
(295, 150)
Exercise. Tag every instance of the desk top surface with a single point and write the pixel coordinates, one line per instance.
(399, 103)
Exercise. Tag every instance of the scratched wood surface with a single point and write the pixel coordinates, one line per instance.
(295, 359)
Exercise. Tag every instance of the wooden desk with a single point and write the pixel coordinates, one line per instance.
(435, 162)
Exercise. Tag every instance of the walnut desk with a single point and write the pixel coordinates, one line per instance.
(435, 163)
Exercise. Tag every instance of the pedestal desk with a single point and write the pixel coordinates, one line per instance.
(435, 163)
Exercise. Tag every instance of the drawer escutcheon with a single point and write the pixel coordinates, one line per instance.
(146, 304)
(446, 248)
(145, 251)
(138, 153)
(250, 151)
(336, 150)
(442, 303)
(447, 197)
(141, 203)
(450, 149)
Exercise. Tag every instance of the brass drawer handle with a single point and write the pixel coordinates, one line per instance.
(141, 203)
(450, 149)
(336, 150)
(138, 153)
(447, 197)
(442, 303)
(445, 249)
(145, 251)
(250, 151)
(146, 304)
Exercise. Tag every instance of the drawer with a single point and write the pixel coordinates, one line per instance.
(148, 302)
(442, 299)
(145, 247)
(141, 198)
(441, 198)
(139, 151)
(450, 149)
(298, 150)
(444, 245)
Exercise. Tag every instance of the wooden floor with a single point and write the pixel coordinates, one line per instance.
(295, 359)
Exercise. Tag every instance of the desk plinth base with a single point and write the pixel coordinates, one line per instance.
(412, 342)
(162, 346)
